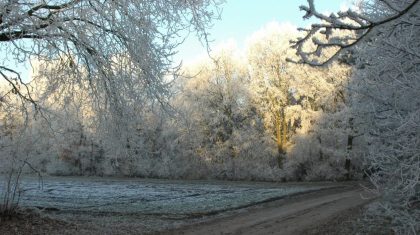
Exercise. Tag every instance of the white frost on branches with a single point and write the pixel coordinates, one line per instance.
(85, 37)
(385, 102)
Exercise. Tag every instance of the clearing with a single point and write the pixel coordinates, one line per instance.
(76, 205)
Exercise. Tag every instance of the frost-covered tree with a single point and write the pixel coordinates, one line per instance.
(112, 54)
(295, 100)
(84, 37)
(87, 140)
(273, 83)
(385, 104)
(223, 123)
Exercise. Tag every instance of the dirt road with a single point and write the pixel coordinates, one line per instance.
(286, 216)
(302, 212)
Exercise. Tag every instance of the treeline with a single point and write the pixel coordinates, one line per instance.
(238, 115)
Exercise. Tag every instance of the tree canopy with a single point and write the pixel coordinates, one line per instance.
(89, 38)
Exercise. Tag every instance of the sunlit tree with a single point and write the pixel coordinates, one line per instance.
(294, 98)
(267, 56)
(225, 125)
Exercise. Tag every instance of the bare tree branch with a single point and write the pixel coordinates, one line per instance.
(349, 20)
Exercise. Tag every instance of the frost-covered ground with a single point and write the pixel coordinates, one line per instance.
(162, 200)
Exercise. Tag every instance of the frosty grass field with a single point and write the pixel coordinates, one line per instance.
(148, 197)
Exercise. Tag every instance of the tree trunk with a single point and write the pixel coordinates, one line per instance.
(280, 149)
(321, 154)
(350, 137)
(284, 130)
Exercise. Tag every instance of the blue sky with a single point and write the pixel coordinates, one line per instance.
(241, 18)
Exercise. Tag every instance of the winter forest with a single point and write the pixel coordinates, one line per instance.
(335, 101)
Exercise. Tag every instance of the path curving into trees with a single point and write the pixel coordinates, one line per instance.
(287, 216)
